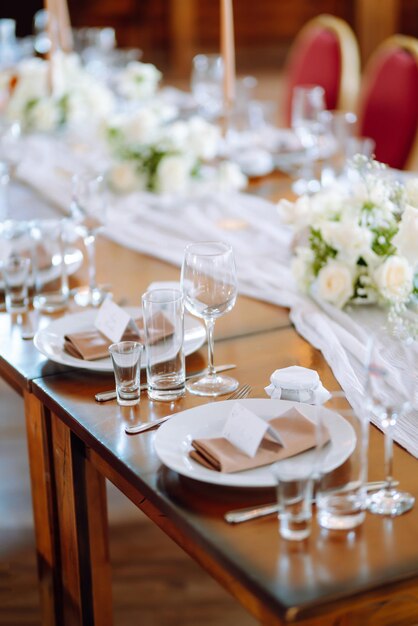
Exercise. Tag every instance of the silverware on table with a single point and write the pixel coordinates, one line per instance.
(104, 396)
(240, 393)
(245, 515)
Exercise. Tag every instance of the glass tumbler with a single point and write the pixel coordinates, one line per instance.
(163, 315)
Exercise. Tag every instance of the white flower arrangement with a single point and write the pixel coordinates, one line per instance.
(138, 81)
(357, 243)
(153, 155)
(44, 98)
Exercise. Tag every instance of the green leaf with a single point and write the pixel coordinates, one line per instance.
(322, 250)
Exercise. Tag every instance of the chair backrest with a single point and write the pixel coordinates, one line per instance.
(388, 103)
(324, 53)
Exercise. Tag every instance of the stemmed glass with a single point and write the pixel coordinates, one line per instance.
(391, 393)
(89, 210)
(209, 286)
(308, 102)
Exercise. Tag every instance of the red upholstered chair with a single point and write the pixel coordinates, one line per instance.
(388, 104)
(324, 53)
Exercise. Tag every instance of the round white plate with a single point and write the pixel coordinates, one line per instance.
(50, 340)
(173, 440)
(73, 261)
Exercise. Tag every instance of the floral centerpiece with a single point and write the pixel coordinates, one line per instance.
(152, 153)
(44, 97)
(357, 243)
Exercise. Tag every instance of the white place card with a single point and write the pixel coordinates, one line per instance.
(112, 321)
(244, 429)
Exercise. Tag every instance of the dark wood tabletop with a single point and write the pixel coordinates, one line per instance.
(328, 573)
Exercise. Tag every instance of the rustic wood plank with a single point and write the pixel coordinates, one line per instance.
(39, 450)
(83, 532)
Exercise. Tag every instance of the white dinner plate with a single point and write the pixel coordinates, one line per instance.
(50, 340)
(73, 261)
(173, 440)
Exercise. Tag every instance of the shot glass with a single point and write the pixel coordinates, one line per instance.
(16, 271)
(294, 494)
(163, 315)
(126, 360)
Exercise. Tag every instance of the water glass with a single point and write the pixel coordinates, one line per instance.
(50, 272)
(308, 102)
(126, 361)
(294, 494)
(206, 84)
(340, 494)
(163, 315)
(16, 272)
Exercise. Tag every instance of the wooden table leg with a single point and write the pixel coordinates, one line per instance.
(83, 532)
(39, 443)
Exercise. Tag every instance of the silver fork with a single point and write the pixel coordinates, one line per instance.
(239, 394)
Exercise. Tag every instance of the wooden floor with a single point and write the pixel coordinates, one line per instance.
(146, 564)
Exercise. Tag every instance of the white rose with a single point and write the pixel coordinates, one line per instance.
(44, 115)
(123, 177)
(175, 136)
(349, 239)
(203, 138)
(394, 279)
(411, 188)
(173, 174)
(302, 267)
(335, 283)
(295, 213)
(141, 126)
(230, 176)
(139, 80)
(406, 239)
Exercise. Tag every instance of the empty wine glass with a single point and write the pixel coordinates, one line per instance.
(308, 102)
(89, 210)
(209, 286)
(390, 393)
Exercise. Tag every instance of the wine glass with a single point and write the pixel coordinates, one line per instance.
(391, 393)
(209, 286)
(308, 102)
(89, 209)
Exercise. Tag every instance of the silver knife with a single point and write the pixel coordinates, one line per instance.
(245, 515)
(104, 396)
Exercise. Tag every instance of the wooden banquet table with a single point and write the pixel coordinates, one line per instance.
(365, 577)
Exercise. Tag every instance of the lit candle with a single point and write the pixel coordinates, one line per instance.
(228, 52)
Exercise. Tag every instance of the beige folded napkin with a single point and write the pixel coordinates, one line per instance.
(297, 433)
(91, 344)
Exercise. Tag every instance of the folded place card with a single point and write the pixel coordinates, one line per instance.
(244, 429)
(296, 432)
(112, 321)
(93, 344)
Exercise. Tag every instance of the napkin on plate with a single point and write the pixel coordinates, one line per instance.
(297, 433)
(299, 384)
(91, 344)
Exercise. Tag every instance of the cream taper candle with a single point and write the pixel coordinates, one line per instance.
(228, 52)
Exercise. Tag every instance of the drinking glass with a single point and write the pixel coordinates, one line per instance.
(209, 286)
(308, 102)
(341, 497)
(390, 393)
(206, 84)
(163, 315)
(126, 361)
(89, 209)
